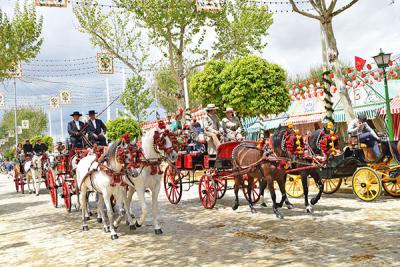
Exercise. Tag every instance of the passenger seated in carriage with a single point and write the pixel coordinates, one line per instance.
(74, 130)
(212, 129)
(96, 129)
(231, 126)
(365, 134)
(39, 148)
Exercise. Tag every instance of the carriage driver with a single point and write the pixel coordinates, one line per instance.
(365, 133)
(74, 130)
(212, 128)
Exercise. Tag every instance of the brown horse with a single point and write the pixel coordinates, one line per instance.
(250, 157)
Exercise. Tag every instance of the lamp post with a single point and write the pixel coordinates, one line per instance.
(382, 60)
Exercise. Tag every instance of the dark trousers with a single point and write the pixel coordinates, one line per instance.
(76, 142)
(101, 141)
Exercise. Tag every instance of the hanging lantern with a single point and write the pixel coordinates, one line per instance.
(105, 63)
(293, 86)
(15, 70)
(335, 90)
(300, 85)
(345, 80)
(316, 94)
(308, 83)
(65, 97)
(54, 102)
(349, 70)
(331, 75)
(315, 81)
(363, 75)
(369, 67)
(353, 77)
(25, 124)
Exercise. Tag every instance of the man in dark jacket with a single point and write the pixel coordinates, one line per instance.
(28, 148)
(96, 129)
(39, 148)
(75, 130)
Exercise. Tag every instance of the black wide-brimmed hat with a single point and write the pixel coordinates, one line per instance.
(92, 112)
(76, 113)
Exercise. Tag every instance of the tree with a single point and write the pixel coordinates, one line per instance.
(324, 14)
(136, 98)
(165, 88)
(206, 84)
(37, 123)
(241, 29)
(250, 84)
(113, 32)
(173, 26)
(118, 127)
(19, 37)
(253, 86)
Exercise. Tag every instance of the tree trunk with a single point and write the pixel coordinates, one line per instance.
(333, 60)
(323, 45)
(180, 80)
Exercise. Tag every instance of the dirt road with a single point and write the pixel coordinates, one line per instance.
(342, 231)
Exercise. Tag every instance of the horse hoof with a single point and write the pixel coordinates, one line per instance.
(279, 215)
(99, 220)
(113, 237)
(290, 206)
(90, 213)
(87, 218)
(137, 224)
(235, 207)
(263, 205)
(85, 228)
(37, 195)
(106, 229)
(158, 231)
(309, 210)
(132, 227)
(253, 210)
(313, 201)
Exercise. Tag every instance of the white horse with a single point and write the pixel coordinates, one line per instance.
(37, 172)
(97, 176)
(157, 147)
(28, 175)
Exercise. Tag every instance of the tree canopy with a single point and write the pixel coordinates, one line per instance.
(118, 127)
(19, 37)
(37, 124)
(250, 84)
(136, 98)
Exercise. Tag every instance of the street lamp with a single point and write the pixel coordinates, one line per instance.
(382, 60)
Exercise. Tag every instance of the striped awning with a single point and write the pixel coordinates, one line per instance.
(370, 110)
(394, 106)
(303, 119)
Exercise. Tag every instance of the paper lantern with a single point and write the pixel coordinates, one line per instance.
(349, 70)
(369, 67)
(300, 85)
(315, 81)
(335, 90)
(308, 82)
(331, 75)
(316, 94)
(353, 77)
(294, 86)
(363, 75)
(105, 63)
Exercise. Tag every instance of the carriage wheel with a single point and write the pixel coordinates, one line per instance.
(255, 190)
(392, 186)
(172, 185)
(221, 187)
(67, 196)
(293, 186)
(207, 191)
(367, 184)
(53, 188)
(16, 181)
(46, 180)
(332, 185)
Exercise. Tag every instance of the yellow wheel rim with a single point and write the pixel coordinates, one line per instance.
(293, 186)
(366, 184)
(331, 185)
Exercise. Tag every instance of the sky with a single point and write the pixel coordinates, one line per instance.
(293, 43)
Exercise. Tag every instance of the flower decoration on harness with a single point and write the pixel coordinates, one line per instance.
(329, 142)
(293, 142)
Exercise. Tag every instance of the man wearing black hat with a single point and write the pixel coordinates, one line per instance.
(74, 130)
(96, 129)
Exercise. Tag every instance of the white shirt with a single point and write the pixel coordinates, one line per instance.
(77, 125)
(94, 124)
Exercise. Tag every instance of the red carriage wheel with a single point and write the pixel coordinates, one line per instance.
(172, 185)
(46, 180)
(207, 191)
(16, 181)
(255, 190)
(67, 196)
(52, 188)
(221, 185)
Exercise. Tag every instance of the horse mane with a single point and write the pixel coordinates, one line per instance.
(111, 151)
(277, 136)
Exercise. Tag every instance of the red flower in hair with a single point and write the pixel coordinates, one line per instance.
(161, 124)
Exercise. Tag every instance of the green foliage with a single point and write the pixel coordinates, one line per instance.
(19, 37)
(37, 124)
(118, 127)
(241, 29)
(9, 154)
(46, 139)
(114, 32)
(136, 98)
(206, 84)
(165, 88)
(250, 84)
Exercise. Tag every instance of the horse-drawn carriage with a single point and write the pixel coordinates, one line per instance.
(23, 172)
(357, 162)
(216, 171)
(61, 175)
